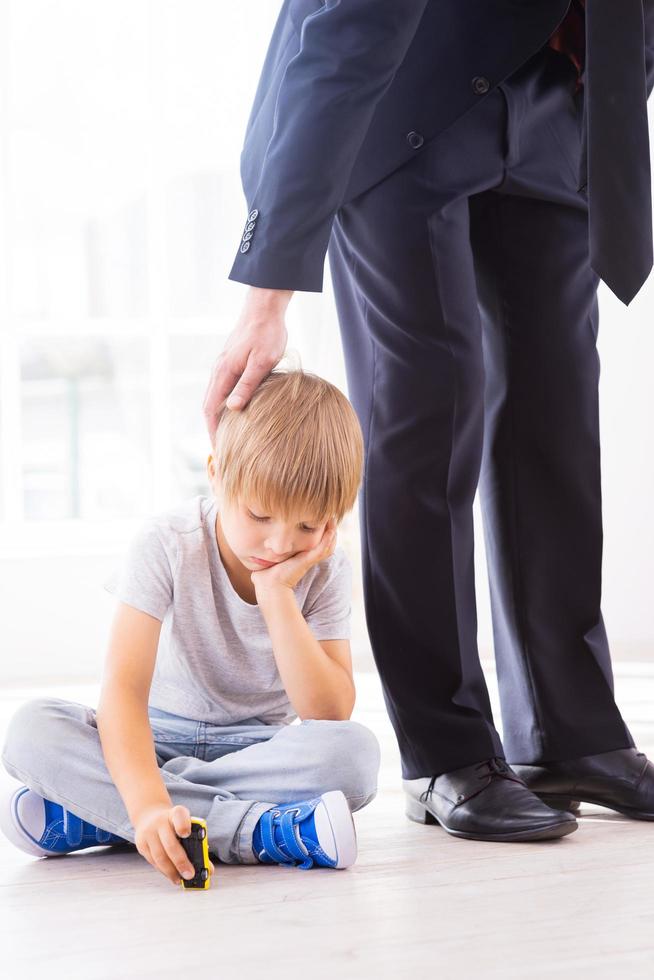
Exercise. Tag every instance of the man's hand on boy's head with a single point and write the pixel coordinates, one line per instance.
(286, 574)
(251, 351)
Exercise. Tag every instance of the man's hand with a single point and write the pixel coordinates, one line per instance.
(251, 351)
(286, 574)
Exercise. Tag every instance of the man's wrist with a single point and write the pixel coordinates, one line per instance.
(269, 299)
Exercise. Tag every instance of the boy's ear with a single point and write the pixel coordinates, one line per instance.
(212, 472)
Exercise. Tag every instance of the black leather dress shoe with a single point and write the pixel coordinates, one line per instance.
(622, 780)
(484, 801)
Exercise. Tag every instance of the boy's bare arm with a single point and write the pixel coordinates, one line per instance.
(122, 714)
(128, 745)
(128, 749)
(317, 686)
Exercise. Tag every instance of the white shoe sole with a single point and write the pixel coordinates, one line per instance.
(13, 829)
(335, 828)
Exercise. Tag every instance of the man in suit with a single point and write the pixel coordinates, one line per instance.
(457, 158)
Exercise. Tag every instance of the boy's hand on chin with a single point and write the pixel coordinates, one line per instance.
(286, 574)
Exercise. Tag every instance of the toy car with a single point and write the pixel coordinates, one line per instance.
(197, 851)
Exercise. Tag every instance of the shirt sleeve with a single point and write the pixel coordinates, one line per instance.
(145, 578)
(328, 605)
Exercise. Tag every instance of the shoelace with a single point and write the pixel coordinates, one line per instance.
(495, 766)
(286, 822)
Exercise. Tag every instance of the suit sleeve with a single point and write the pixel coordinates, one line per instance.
(349, 53)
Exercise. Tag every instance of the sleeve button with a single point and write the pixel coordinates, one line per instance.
(415, 140)
(245, 246)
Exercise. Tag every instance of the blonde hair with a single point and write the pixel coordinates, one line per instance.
(296, 446)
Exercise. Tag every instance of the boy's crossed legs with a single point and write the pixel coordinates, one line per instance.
(53, 746)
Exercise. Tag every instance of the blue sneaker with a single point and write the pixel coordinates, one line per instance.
(43, 828)
(298, 835)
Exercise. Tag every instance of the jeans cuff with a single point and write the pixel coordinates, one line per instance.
(246, 830)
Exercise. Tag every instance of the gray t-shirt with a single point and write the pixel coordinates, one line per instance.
(215, 660)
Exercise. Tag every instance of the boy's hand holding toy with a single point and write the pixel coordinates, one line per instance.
(156, 832)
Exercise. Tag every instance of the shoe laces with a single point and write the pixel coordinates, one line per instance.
(495, 766)
(490, 767)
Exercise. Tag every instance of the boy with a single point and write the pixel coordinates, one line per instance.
(233, 619)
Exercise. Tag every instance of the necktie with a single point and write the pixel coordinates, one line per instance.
(615, 147)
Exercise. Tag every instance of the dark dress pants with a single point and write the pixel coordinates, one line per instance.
(469, 317)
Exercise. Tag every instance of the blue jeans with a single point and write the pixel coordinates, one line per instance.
(229, 775)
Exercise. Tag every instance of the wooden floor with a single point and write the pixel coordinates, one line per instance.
(416, 903)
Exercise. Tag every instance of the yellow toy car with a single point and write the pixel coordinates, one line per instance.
(197, 851)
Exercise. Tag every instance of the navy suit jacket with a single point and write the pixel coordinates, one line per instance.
(349, 91)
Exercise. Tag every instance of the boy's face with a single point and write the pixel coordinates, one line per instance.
(252, 533)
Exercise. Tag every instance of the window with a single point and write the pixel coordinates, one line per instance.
(121, 211)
